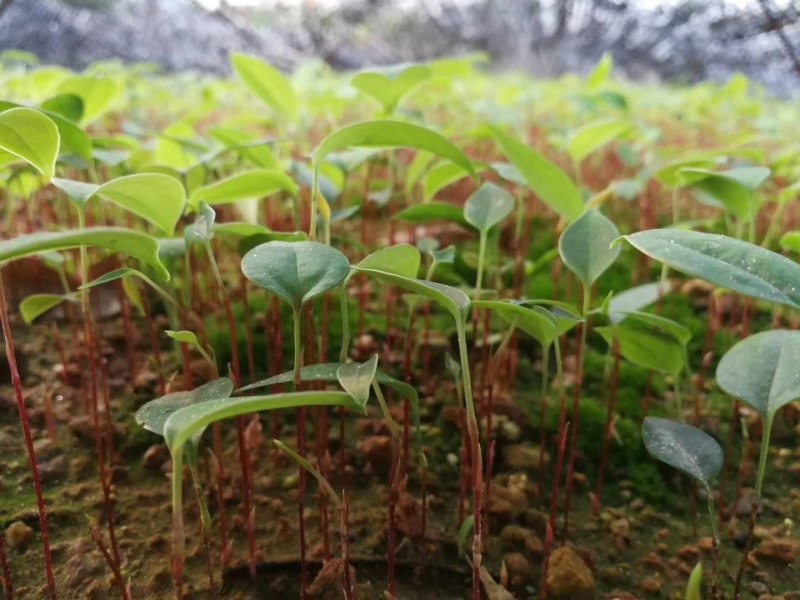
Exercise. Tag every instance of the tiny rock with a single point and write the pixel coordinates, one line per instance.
(18, 535)
(377, 449)
(782, 550)
(522, 456)
(568, 576)
(519, 568)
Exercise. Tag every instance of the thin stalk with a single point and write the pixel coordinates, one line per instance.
(712, 517)
(394, 476)
(205, 521)
(587, 292)
(756, 506)
(612, 405)
(244, 455)
(476, 461)
(301, 446)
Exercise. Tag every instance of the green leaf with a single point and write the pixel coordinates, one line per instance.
(488, 206)
(584, 246)
(266, 82)
(389, 86)
(694, 585)
(31, 136)
(683, 447)
(295, 271)
(183, 336)
(646, 345)
(452, 299)
(131, 243)
(791, 241)
(762, 370)
(401, 259)
(636, 298)
(68, 106)
(433, 211)
(391, 133)
(731, 190)
(356, 379)
(154, 414)
(97, 94)
(36, 305)
(548, 181)
(727, 262)
(126, 274)
(535, 320)
(600, 74)
(187, 421)
(441, 176)
(157, 198)
(243, 186)
(669, 173)
(593, 136)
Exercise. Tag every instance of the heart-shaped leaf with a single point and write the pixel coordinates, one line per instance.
(295, 271)
(724, 261)
(31, 136)
(266, 82)
(356, 379)
(488, 206)
(684, 447)
(131, 243)
(584, 246)
(762, 370)
(157, 198)
(547, 180)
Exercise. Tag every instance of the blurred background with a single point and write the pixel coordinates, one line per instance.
(672, 40)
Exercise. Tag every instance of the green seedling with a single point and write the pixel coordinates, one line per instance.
(699, 456)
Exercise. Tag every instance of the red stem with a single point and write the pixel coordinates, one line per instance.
(8, 586)
(612, 406)
(26, 431)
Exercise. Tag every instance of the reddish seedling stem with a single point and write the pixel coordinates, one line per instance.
(345, 533)
(26, 432)
(612, 406)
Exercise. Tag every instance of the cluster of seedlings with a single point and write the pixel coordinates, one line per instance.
(479, 278)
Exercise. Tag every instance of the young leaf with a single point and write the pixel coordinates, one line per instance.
(600, 74)
(433, 211)
(646, 346)
(36, 305)
(762, 370)
(684, 447)
(452, 299)
(154, 414)
(295, 271)
(488, 206)
(731, 190)
(243, 186)
(389, 86)
(131, 243)
(266, 82)
(694, 585)
(401, 259)
(439, 177)
(584, 246)
(304, 463)
(391, 133)
(97, 94)
(593, 136)
(636, 298)
(68, 106)
(546, 179)
(31, 136)
(727, 262)
(157, 198)
(535, 321)
(356, 379)
(187, 421)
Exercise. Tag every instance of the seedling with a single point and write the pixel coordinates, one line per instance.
(696, 454)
